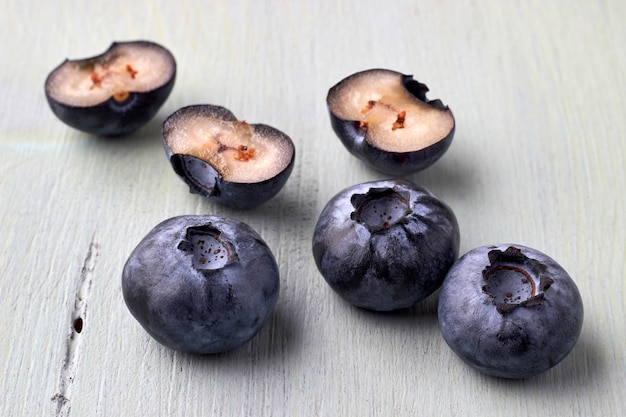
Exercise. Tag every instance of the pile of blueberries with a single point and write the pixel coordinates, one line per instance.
(208, 284)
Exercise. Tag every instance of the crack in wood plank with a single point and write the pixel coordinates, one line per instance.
(73, 340)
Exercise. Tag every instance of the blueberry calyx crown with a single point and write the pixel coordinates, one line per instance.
(514, 280)
(208, 250)
(380, 208)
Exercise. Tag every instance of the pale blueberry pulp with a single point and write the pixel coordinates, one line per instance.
(201, 284)
(385, 245)
(114, 93)
(384, 118)
(509, 311)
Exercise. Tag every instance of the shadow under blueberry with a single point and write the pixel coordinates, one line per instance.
(420, 315)
(146, 136)
(580, 370)
(448, 176)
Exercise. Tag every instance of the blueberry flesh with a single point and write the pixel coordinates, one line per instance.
(201, 284)
(114, 93)
(226, 160)
(509, 311)
(384, 118)
(385, 245)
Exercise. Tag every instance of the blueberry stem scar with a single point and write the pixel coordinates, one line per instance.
(505, 287)
(379, 208)
(528, 280)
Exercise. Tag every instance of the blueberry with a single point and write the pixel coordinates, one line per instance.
(226, 160)
(201, 284)
(384, 118)
(509, 311)
(115, 92)
(385, 245)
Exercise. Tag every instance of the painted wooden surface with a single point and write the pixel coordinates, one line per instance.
(537, 89)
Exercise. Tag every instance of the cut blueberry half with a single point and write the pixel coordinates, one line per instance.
(384, 118)
(385, 245)
(510, 311)
(201, 284)
(115, 92)
(229, 161)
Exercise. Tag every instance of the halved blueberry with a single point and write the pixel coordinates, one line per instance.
(115, 92)
(229, 161)
(384, 118)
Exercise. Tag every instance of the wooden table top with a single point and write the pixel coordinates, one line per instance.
(537, 90)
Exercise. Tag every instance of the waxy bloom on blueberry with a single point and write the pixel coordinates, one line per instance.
(385, 245)
(509, 311)
(201, 284)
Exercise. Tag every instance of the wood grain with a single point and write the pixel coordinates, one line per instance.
(537, 89)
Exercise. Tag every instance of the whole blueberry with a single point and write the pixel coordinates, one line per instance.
(509, 311)
(201, 284)
(385, 245)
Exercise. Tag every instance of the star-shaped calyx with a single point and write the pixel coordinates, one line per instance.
(514, 280)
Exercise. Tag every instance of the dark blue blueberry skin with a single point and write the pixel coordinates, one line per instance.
(112, 117)
(205, 180)
(354, 138)
(390, 163)
(201, 284)
(509, 311)
(385, 245)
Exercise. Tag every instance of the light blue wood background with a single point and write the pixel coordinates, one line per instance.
(537, 89)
